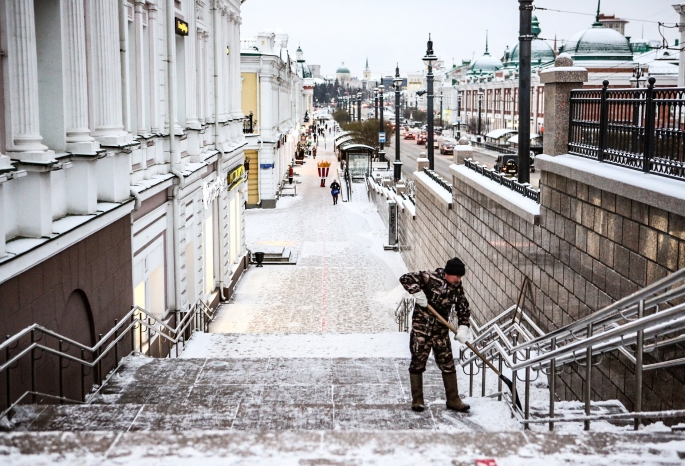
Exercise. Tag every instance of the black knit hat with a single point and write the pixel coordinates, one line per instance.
(455, 267)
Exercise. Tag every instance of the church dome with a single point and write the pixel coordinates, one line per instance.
(540, 51)
(342, 70)
(485, 65)
(598, 43)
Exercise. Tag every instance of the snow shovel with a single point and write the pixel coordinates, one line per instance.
(506, 381)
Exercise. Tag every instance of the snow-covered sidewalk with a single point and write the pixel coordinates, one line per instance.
(344, 282)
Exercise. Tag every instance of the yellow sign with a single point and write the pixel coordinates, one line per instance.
(181, 27)
(235, 177)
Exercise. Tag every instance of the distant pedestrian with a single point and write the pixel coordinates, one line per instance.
(335, 191)
(290, 174)
(314, 151)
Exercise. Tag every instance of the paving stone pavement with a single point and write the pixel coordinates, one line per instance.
(344, 282)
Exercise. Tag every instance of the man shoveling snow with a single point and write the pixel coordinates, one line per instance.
(441, 289)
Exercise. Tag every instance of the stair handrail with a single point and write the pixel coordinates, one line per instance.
(137, 317)
(622, 304)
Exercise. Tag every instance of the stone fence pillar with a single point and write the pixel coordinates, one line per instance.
(462, 151)
(559, 81)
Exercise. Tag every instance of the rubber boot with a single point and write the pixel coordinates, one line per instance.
(452, 393)
(416, 381)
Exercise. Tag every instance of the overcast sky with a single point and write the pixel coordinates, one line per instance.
(390, 31)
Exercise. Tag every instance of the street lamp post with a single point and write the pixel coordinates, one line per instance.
(525, 38)
(375, 103)
(359, 106)
(398, 163)
(459, 114)
(428, 61)
(441, 123)
(480, 108)
(381, 152)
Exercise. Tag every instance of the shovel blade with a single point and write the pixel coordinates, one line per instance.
(509, 384)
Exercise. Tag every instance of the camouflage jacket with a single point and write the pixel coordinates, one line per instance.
(441, 295)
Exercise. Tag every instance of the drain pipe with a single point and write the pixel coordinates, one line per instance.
(137, 199)
(174, 156)
(217, 145)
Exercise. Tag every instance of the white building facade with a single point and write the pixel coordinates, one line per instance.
(122, 152)
(276, 95)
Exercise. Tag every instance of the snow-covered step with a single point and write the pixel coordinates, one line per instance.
(340, 447)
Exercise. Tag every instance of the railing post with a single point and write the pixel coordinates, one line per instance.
(149, 336)
(33, 368)
(471, 379)
(61, 370)
(83, 375)
(588, 376)
(133, 332)
(116, 344)
(603, 121)
(9, 383)
(499, 379)
(514, 358)
(99, 353)
(527, 395)
(638, 364)
(649, 126)
(552, 382)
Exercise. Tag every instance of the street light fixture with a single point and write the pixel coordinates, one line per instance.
(359, 106)
(428, 60)
(458, 114)
(381, 152)
(398, 163)
(375, 103)
(480, 108)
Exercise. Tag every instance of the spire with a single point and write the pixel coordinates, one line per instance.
(555, 46)
(597, 22)
(486, 42)
(367, 62)
(397, 70)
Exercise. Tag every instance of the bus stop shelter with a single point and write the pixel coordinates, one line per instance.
(358, 159)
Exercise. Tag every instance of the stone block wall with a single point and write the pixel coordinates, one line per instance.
(592, 247)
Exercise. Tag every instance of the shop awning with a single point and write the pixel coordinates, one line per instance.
(515, 139)
(498, 133)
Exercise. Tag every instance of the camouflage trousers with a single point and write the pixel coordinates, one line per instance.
(428, 333)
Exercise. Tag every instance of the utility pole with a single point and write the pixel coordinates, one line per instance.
(526, 13)
(398, 163)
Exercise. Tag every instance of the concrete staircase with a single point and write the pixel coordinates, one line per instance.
(297, 410)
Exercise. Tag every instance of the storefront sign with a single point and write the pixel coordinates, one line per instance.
(211, 191)
(235, 177)
(181, 27)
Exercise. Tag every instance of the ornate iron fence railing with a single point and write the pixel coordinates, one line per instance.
(642, 129)
(525, 189)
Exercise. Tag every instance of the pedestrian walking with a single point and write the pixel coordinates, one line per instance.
(290, 174)
(335, 191)
(314, 151)
(442, 289)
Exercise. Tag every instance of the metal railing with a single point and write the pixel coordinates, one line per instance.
(402, 313)
(651, 320)
(438, 179)
(138, 325)
(525, 189)
(642, 129)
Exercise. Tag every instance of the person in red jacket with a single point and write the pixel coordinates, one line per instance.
(290, 174)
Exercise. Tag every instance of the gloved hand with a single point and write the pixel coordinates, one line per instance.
(421, 299)
(463, 334)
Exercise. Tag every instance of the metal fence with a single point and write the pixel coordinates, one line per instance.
(495, 147)
(524, 189)
(642, 129)
(438, 179)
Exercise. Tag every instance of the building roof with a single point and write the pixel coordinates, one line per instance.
(342, 69)
(487, 63)
(598, 43)
(541, 51)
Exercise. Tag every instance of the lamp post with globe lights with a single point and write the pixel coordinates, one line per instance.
(397, 165)
(428, 60)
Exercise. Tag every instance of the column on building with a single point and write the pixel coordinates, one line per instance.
(153, 77)
(105, 73)
(21, 71)
(191, 90)
(237, 110)
(140, 80)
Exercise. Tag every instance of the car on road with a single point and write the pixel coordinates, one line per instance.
(421, 139)
(409, 135)
(447, 148)
(507, 164)
(436, 144)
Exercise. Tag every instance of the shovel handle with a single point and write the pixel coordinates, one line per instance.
(468, 345)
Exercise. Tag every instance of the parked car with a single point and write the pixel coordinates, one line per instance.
(436, 144)
(409, 135)
(509, 164)
(447, 148)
